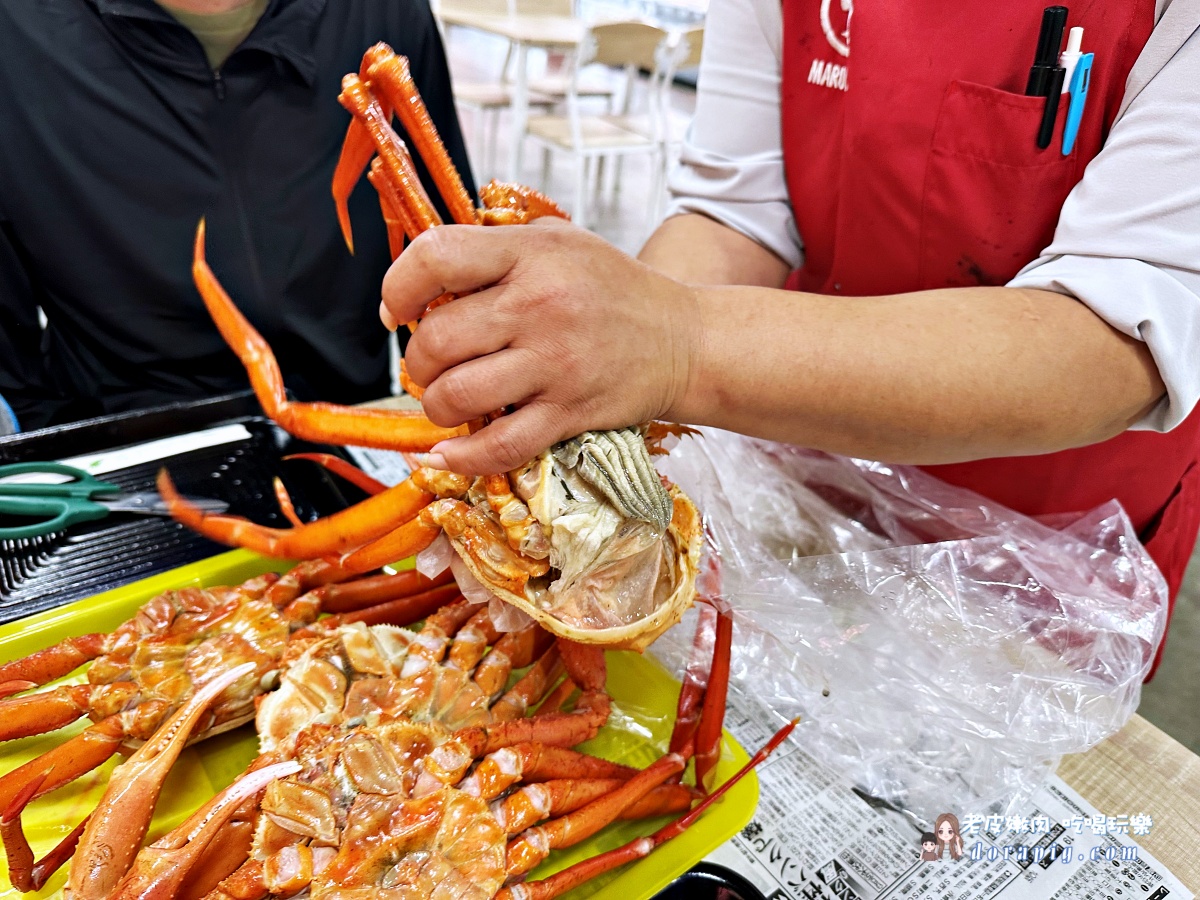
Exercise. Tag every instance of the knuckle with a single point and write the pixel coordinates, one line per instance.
(507, 450)
(452, 394)
(434, 338)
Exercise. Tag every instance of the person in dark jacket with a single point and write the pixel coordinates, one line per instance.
(126, 121)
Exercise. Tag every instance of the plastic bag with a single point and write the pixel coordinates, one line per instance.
(944, 651)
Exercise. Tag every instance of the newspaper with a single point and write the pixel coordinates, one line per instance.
(812, 837)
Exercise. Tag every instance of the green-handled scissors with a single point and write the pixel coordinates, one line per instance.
(81, 499)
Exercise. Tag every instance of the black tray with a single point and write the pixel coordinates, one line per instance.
(709, 881)
(42, 573)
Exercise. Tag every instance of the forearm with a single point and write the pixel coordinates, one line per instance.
(698, 250)
(929, 377)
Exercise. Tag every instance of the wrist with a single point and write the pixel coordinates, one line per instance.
(689, 339)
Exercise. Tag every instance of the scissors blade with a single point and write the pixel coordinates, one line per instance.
(151, 504)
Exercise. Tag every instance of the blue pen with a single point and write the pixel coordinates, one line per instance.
(1081, 79)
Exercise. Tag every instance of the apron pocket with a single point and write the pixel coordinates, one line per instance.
(991, 197)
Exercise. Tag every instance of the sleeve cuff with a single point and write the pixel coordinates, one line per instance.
(747, 196)
(1153, 304)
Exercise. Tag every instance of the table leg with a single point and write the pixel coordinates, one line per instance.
(520, 111)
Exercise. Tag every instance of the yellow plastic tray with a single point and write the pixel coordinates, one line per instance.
(644, 698)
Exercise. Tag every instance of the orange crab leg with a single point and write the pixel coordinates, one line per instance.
(338, 533)
(53, 662)
(339, 466)
(285, 502)
(532, 686)
(161, 868)
(26, 873)
(513, 651)
(472, 641)
(558, 697)
(115, 831)
(357, 150)
(247, 883)
(499, 771)
(67, 761)
(354, 595)
(397, 162)
(395, 212)
(409, 539)
(537, 802)
(392, 81)
(572, 877)
(43, 712)
(323, 422)
(534, 845)
(401, 611)
(712, 714)
(687, 712)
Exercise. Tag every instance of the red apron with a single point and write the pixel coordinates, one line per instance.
(912, 163)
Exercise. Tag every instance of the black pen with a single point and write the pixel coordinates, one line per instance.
(1050, 113)
(1054, 20)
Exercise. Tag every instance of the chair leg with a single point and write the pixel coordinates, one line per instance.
(493, 141)
(546, 163)
(579, 210)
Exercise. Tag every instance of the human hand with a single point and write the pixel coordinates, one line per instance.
(562, 326)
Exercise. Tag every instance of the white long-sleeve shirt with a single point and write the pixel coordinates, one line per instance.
(1127, 242)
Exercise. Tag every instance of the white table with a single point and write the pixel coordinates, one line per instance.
(524, 31)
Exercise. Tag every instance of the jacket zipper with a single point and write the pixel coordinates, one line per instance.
(218, 84)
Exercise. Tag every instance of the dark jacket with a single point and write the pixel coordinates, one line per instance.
(116, 137)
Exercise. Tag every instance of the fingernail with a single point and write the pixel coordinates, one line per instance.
(432, 460)
(385, 315)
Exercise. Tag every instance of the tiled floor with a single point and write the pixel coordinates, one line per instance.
(1171, 701)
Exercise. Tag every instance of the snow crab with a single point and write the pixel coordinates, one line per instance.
(587, 539)
(152, 666)
(407, 776)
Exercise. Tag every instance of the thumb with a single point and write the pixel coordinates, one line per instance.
(504, 444)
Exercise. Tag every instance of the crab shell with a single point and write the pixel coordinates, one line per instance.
(686, 536)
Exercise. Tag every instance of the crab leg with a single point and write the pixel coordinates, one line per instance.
(357, 150)
(334, 534)
(66, 762)
(531, 688)
(392, 82)
(499, 771)
(47, 711)
(322, 422)
(402, 611)
(695, 678)
(537, 802)
(247, 883)
(472, 641)
(572, 877)
(712, 713)
(339, 466)
(396, 215)
(512, 651)
(408, 540)
(24, 872)
(535, 844)
(115, 831)
(162, 867)
(448, 763)
(558, 698)
(354, 595)
(416, 207)
(53, 662)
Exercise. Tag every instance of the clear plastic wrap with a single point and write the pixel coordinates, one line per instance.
(944, 651)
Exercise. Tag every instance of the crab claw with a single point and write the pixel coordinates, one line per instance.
(115, 832)
(160, 869)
